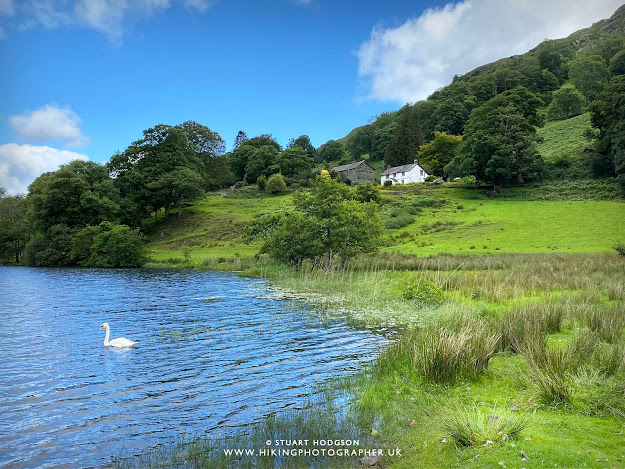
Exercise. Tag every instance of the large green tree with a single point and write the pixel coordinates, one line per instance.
(294, 162)
(435, 155)
(407, 137)
(326, 225)
(566, 102)
(500, 140)
(78, 194)
(257, 152)
(15, 229)
(303, 142)
(161, 170)
(608, 116)
(589, 74)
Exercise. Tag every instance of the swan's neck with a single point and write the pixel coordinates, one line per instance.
(106, 338)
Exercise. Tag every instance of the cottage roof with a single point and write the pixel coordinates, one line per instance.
(347, 167)
(400, 169)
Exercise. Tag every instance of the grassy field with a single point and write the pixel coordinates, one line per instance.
(460, 221)
(511, 358)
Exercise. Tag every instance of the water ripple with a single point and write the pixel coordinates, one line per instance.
(215, 352)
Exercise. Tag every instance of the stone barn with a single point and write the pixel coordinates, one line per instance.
(356, 172)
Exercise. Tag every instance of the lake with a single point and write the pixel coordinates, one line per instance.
(216, 352)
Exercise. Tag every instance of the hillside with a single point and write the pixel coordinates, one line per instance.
(566, 136)
(458, 220)
(543, 70)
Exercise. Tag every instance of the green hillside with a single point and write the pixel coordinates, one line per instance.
(566, 136)
(465, 221)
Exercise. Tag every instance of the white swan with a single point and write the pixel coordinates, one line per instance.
(119, 343)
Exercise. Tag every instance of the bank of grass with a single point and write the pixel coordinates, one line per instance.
(520, 362)
(565, 136)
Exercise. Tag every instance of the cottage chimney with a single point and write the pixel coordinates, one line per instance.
(416, 161)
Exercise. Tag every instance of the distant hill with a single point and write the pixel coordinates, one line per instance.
(543, 70)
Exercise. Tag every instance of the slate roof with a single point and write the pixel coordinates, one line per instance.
(347, 167)
(400, 169)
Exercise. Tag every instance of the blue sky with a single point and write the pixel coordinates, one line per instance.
(83, 78)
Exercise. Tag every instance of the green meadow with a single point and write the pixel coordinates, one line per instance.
(466, 221)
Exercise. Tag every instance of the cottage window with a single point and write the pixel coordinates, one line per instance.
(421, 172)
(403, 174)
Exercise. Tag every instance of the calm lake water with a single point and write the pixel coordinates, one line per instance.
(215, 353)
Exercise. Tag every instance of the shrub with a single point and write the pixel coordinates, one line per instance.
(262, 182)
(399, 221)
(388, 183)
(367, 192)
(275, 184)
(619, 248)
(421, 290)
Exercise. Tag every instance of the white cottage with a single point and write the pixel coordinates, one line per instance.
(405, 174)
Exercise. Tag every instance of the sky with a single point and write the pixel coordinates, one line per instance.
(82, 79)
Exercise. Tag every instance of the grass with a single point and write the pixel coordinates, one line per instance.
(422, 221)
(565, 136)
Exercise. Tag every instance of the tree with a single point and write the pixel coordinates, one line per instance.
(303, 142)
(360, 143)
(294, 162)
(566, 102)
(161, 170)
(241, 156)
(239, 139)
(331, 151)
(617, 64)
(51, 248)
(108, 245)
(15, 229)
(608, 116)
(260, 162)
(78, 194)
(589, 74)
(450, 117)
(435, 155)
(209, 147)
(325, 225)
(499, 144)
(407, 138)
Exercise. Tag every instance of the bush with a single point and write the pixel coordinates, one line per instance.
(421, 290)
(367, 192)
(275, 184)
(262, 182)
(399, 221)
(388, 183)
(619, 248)
(239, 184)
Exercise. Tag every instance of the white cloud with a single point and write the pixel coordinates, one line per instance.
(200, 5)
(3, 34)
(409, 62)
(110, 17)
(6, 8)
(302, 3)
(22, 164)
(50, 123)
